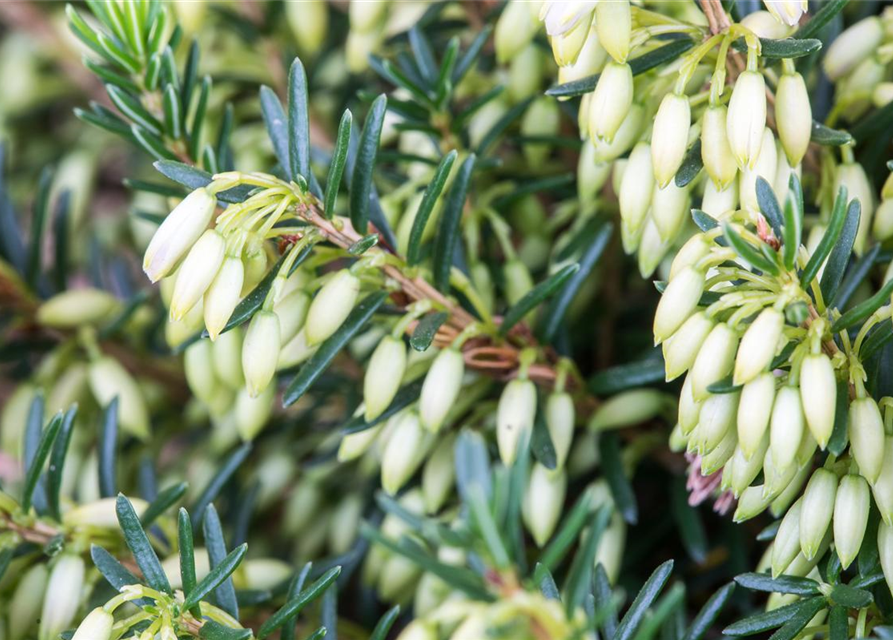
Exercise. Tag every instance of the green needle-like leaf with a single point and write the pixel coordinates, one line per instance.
(361, 183)
(138, 543)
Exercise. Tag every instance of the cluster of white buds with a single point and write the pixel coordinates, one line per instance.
(764, 378)
(207, 273)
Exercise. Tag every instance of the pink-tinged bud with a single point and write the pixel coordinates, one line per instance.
(765, 167)
(758, 346)
(223, 295)
(851, 47)
(818, 391)
(816, 511)
(614, 23)
(793, 116)
(383, 376)
(715, 360)
(746, 119)
(682, 348)
(260, 351)
(331, 306)
(441, 388)
(867, 437)
(178, 232)
(543, 502)
(715, 151)
(669, 210)
(636, 187)
(754, 411)
(883, 486)
(611, 101)
(851, 508)
(197, 272)
(786, 427)
(787, 541)
(678, 302)
(669, 139)
(514, 417)
(787, 11)
(852, 176)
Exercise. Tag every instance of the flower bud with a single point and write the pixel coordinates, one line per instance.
(441, 388)
(851, 47)
(866, 429)
(253, 412)
(76, 307)
(543, 502)
(787, 11)
(611, 101)
(746, 119)
(669, 210)
(561, 17)
(560, 417)
(178, 233)
(818, 392)
(628, 408)
(295, 352)
(614, 23)
(744, 470)
(590, 61)
(766, 166)
(791, 492)
(383, 376)
(514, 30)
(690, 253)
(765, 25)
(197, 272)
(851, 508)
(99, 513)
(199, 370)
(678, 303)
(758, 346)
(26, 601)
(96, 626)
(518, 281)
(777, 477)
(816, 511)
(786, 427)
(714, 460)
(670, 137)
(591, 174)
(852, 176)
(689, 408)
(108, 380)
(514, 417)
(793, 116)
(331, 306)
(404, 452)
(883, 486)
(439, 475)
(885, 552)
(226, 358)
(542, 119)
(422, 629)
(882, 229)
(715, 151)
(718, 203)
(627, 135)
(636, 187)
(783, 173)
(309, 23)
(223, 295)
(255, 269)
(367, 16)
(62, 597)
(260, 351)
(715, 360)
(751, 503)
(717, 418)
(787, 541)
(611, 546)
(566, 47)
